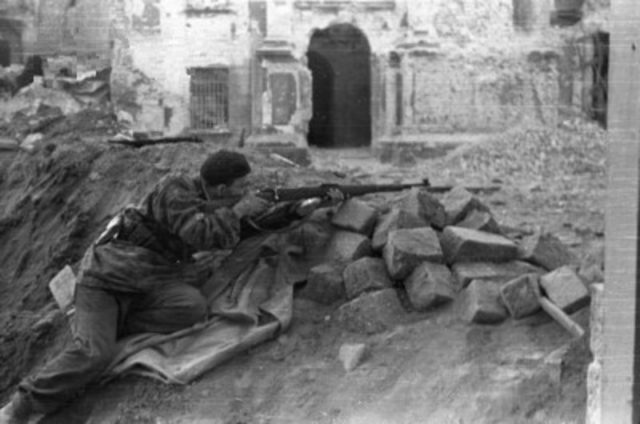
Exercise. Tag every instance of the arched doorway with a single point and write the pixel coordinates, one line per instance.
(5, 53)
(339, 60)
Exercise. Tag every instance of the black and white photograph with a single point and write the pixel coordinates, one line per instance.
(319, 211)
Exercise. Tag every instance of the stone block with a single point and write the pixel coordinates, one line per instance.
(421, 203)
(481, 221)
(365, 274)
(482, 304)
(372, 312)
(458, 202)
(396, 219)
(467, 245)
(592, 263)
(565, 288)
(347, 246)
(407, 248)
(351, 355)
(324, 284)
(591, 274)
(546, 250)
(429, 285)
(520, 295)
(355, 215)
(502, 272)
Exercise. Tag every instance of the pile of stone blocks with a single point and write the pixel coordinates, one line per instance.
(432, 249)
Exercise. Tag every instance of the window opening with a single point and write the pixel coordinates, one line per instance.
(209, 88)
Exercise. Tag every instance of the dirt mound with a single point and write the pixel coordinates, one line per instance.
(55, 201)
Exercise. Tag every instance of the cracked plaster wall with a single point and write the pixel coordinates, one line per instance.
(153, 51)
(466, 66)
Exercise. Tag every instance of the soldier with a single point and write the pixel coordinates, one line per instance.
(140, 276)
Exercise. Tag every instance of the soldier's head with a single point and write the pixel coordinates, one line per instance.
(224, 173)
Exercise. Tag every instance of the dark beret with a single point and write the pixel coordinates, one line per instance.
(223, 167)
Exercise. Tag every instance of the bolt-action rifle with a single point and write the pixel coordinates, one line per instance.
(289, 200)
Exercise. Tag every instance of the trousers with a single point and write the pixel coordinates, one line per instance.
(102, 317)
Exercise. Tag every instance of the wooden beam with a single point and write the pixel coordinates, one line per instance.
(620, 363)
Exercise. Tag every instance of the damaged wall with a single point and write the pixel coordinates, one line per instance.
(18, 30)
(436, 66)
(152, 90)
(74, 27)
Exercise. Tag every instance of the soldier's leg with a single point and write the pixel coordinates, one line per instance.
(165, 310)
(81, 363)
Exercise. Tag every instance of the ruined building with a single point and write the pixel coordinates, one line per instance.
(329, 73)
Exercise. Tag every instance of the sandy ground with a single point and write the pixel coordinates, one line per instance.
(434, 369)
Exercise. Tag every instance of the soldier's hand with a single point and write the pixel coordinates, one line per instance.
(251, 205)
(334, 196)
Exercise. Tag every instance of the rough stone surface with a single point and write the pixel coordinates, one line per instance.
(592, 264)
(407, 248)
(324, 284)
(351, 355)
(591, 274)
(365, 274)
(458, 202)
(482, 304)
(596, 321)
(347, 246)
(396, 219)
(467, 245)
(372, 312)
(429, 285)
(520, 297)
(464, 272)
(481, 221)
(594, 393)
(546, 250)
(355, 215)
(425, 205)
(564, 288)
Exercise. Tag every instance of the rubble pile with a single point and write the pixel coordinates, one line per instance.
(423, 252)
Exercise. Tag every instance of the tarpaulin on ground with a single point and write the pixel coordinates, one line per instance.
(250, 300)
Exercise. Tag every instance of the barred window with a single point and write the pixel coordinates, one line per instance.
(209, 88)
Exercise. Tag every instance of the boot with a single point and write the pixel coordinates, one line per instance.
(18, 411)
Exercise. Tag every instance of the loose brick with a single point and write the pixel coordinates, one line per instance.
(464, 272)
(396, 219)
(351, 355)
(429, 285)
(347, 246)
(546, 250)
(458, 202)
(467, 245)
(520, 296)
(355, 215)
(425, 205)
(481, 221)
(564, 288)
(324, 284)
(408, 248)
(482, 304)
(372, 312)
(365, 274)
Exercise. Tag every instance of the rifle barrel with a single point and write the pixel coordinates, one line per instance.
(301, 193)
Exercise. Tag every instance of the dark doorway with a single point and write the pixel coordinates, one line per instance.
(339, 60)
(5, 53)
(599, 89)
